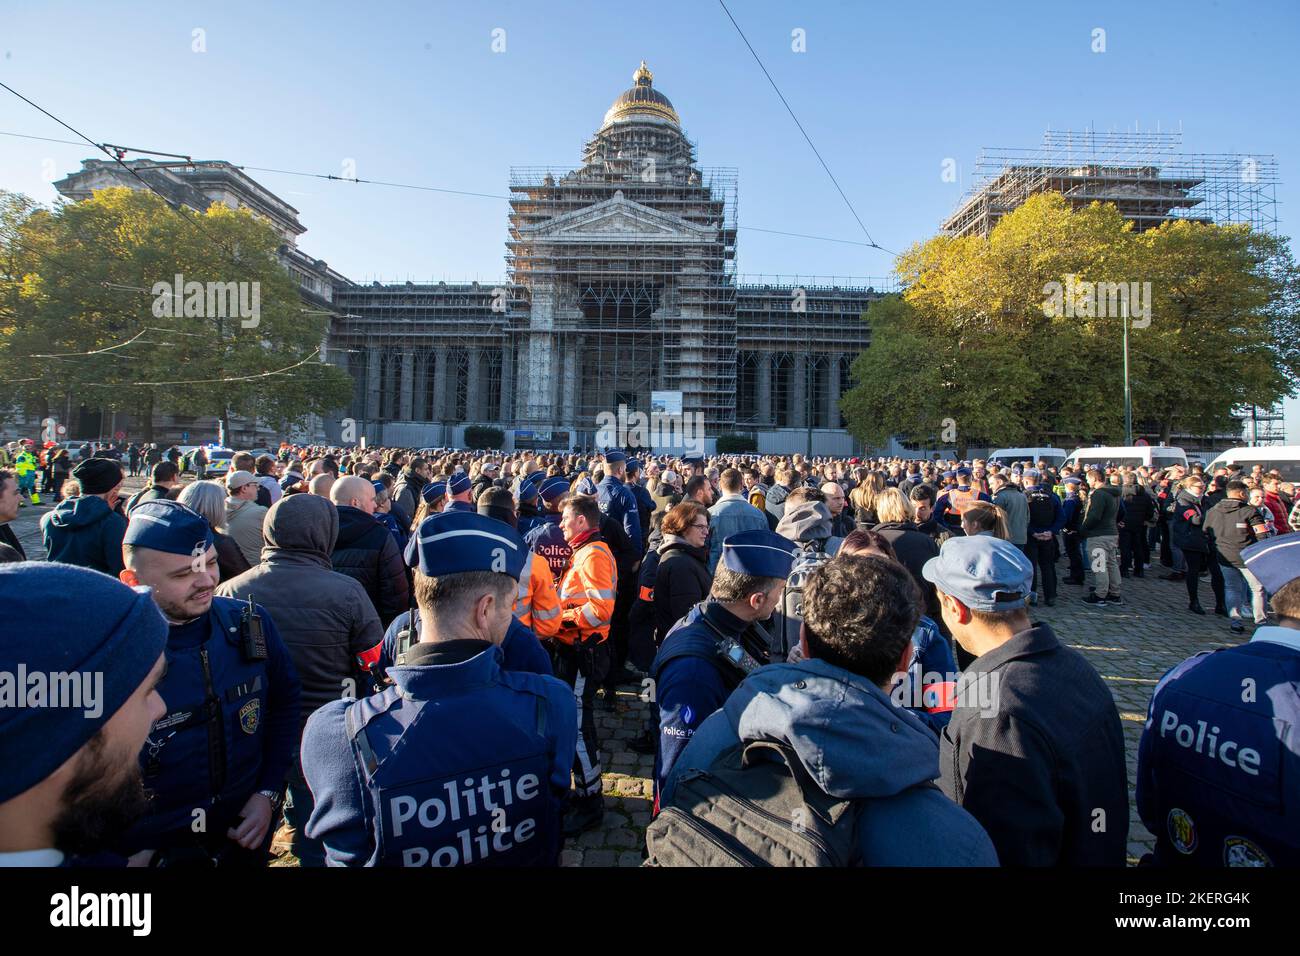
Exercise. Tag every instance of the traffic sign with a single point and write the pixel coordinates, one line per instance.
(119, 435)
(1141, 443)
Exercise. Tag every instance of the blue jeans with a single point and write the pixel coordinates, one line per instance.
(1244, 593)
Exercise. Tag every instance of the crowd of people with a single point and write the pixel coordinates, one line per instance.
(382, 656)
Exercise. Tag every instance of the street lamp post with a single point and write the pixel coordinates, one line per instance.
(1128, 396)
(811, 401)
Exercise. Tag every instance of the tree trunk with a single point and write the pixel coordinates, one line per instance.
(147, 418)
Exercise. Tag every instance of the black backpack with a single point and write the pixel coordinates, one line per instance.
(785, 632)
(755, 805)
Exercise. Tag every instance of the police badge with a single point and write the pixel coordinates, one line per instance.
(1182, 831)
(250, 716)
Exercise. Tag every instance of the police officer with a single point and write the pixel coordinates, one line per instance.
(460, 762)
(645, 505)
(1216, 773)
(711, 650)
(528, 515)
(619, 505)
(216, 762)
(546, 537)
(71, 781)
(458, 487)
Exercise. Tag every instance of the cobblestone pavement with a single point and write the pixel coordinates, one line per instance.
(1131, 645)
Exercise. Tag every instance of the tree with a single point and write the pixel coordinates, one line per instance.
(1016, 337)
(103, 315)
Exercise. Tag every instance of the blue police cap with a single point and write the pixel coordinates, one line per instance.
(983, 572)
(536, 477)
(963, 472)
(1072, 481)
(613, 457)
(165, 525)
(527, 491)
(459, 484)
(378, 486)
(693, 459)
(553, 488)
(950, 474)
(453, 542)
(117, 644)
(634, 464)
(1274, 561)
(760, 554)
(432, 491)
(1033, 473)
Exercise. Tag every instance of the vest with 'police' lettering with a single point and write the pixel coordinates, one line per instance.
(456, 762)
(1219, 761)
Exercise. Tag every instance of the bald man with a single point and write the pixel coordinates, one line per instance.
(842, 524)
(321, 485)
(366, 550)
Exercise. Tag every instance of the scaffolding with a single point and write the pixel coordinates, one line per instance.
(1145, 174)
(621, 282)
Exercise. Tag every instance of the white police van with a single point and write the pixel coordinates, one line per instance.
(1009, 456)
(1152, 456)
(1285, 458)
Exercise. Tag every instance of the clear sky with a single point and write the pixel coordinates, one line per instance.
(415, 93)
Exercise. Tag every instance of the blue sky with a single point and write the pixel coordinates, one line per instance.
(414, 93)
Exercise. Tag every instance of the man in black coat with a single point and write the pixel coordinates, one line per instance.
(1139, 509)
(1034, 750)
(366, 551)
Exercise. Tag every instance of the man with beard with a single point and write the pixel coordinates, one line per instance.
(71, 784)
(216, 763)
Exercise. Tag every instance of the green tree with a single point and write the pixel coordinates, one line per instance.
(986, 339)
(102, 317)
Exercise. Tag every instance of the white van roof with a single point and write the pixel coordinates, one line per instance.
(1261, 452)
(1101, 451)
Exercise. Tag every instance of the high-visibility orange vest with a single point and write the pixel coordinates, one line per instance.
(536, 603)
(587, 594)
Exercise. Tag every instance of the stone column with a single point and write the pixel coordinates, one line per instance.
(406, 395)
(374, 383)
(440, 385)
(569, 385)
(473, 400)
(833, 390)
(419, 394)
(507, 413)
(765, 388)
(798, 406)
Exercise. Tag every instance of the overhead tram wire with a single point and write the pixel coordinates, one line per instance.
(807, 138)
(115, 157)
(464, 192)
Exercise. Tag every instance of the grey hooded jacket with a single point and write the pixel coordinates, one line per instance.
(324, 618)
(856, 745)
(807, 522)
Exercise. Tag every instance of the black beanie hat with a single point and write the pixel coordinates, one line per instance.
(98, 475)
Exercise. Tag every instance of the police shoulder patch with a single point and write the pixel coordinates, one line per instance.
(1238, 851)
(250, 716)
(1182, 831)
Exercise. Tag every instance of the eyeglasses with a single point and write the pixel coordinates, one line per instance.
(704, 526)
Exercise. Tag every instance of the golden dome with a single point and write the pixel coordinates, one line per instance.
(641, 100)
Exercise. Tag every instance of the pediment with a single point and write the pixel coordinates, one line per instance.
(618, 219)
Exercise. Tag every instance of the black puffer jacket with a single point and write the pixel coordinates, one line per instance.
(1185, 523)
(406, 492)
(325, 618)
(913, 548)
(1228, 525)
(367, 552)
(230, 557)
(681, 581)
(1139, 506)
